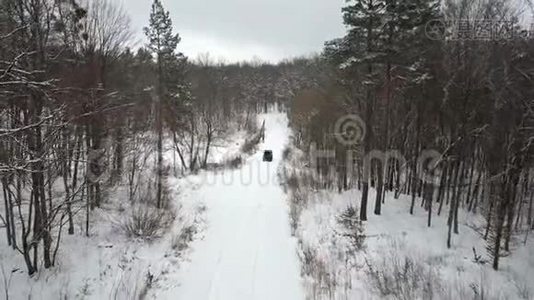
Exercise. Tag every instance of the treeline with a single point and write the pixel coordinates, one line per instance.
(464, 93)
(81, 112)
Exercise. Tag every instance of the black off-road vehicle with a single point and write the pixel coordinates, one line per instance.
(268, 155)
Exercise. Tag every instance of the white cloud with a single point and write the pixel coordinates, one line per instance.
(241, 29)
(194, 43)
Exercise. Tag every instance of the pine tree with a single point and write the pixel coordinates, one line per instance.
(365, 19)
(416, 54)
(162, 43)
(384, 35)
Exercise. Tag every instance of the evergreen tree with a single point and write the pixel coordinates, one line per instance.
(383, 35)
(365, 21)
(163, 43)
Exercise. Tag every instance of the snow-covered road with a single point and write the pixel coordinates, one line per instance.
(247, 251)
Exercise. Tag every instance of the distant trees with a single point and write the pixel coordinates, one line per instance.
(208, 80)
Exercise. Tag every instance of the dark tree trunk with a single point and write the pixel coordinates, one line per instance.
(379, 189)
(414, 163)
(429, 194)
(365, 194)
(458, 196)
(7, 219)
(511, 209)
(501, 216)
(441, 188)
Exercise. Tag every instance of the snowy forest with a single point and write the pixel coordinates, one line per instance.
(402, 168)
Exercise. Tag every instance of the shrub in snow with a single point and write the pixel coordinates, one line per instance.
(317, 271)
(524, 289)
(297, 203)
(181, 241)
(330, 241)
(354, 230)
(132, 285)
(287, 153)
(292, 181)
(251, 125)
(234, 163)
(146, 221)
(250, 144)
(397, 275)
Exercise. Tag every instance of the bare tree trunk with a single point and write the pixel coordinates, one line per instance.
(492, 198)
(441, 188)
(379, 188)
(160, 159)
(118, 157)
(397, 179)
(25, 232)
(452, 206)
(449, 223)
(476, 193)
(471, 176)
(530, 221)
(501, 215)
(429, 194)
(366, 171)
(36, 145)
(90, 201)
(451, 168)
(209, 135)
(65, 176)
(458, 196)
(177, 148)
(511, 210)
(414, 162)
(7, 213)
(521, 200)
(11, 215)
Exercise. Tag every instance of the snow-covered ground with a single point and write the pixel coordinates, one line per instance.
(247, 251)
(108, 264)
(397, 243)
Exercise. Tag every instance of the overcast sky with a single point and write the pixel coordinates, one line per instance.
(242, 29)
